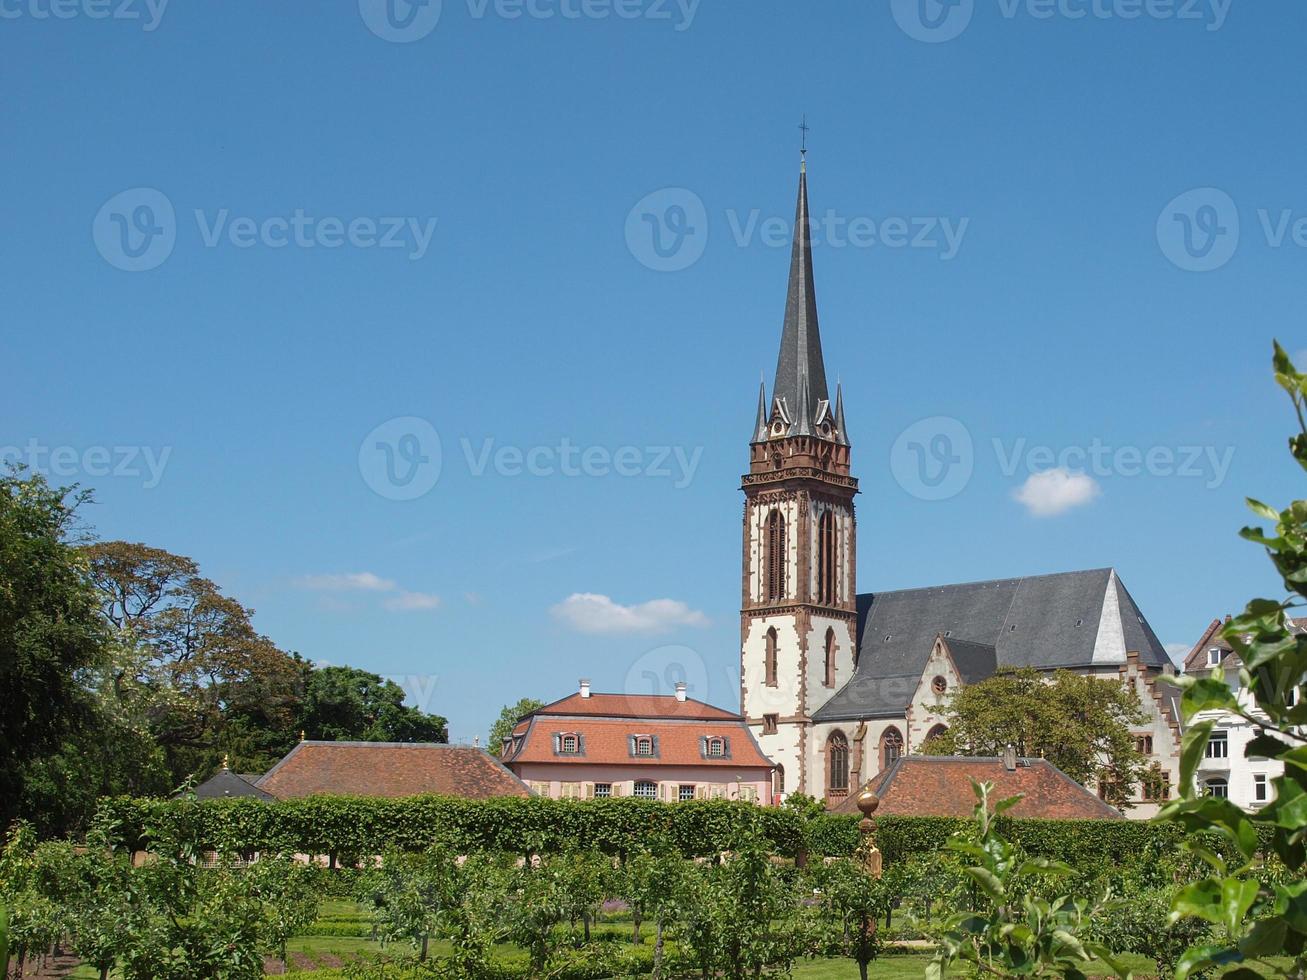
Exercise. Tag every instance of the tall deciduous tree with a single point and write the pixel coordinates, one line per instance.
(1080, 724)
(49, 628)
(348, 703)
(200, 645)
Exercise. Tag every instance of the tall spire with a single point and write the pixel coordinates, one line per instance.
(800, 370)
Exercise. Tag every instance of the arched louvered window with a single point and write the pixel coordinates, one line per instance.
(829, 680)
(827, 564)
(769, 657)
(891, 747)
(936, 732)
(837, 760)
(776, 553)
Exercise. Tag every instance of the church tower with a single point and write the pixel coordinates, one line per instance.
(798, 618)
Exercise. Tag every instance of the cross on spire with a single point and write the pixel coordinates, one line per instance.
(804, 128)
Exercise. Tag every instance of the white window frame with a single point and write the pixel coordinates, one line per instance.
(1214, 657)
(1218, 745)
(652, 793)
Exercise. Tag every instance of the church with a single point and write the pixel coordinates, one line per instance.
(837, 686)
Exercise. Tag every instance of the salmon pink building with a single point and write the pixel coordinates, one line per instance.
(654, 747)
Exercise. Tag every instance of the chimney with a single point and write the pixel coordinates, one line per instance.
(585, 687)
(680, 690)
(1010, 757)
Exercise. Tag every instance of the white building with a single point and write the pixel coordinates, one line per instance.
(1226, 770)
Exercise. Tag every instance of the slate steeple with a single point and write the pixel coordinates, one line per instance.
(800, 398)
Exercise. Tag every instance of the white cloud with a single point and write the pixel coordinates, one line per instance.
(349, 582)
(1053, 492)
(412, 602)
(587, 612)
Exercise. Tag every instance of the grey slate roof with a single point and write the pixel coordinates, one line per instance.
(1041, 621)
(800, 371)
(226, 784)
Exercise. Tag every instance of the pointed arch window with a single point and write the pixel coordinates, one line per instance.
(937, 732)
(829, 679)
(769, 657)
(891, 747)
(775, 585)
(837, 763)
(827, 563)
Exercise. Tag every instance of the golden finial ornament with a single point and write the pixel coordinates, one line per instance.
(868, 852)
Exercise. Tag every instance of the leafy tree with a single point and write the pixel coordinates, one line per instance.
(507, 721)
(1257, 908)
(852, 903)
(587, 876)
(409, 892)
(1014, 932)
(1080, 724)
(200, 646)
(49, 629)
(288, 891)
(537, 904)
(351, 704)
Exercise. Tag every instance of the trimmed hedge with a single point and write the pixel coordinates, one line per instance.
(354, 827)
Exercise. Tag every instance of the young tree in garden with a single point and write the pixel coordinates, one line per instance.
(473, 921)
(752, 897)
(507, 720)
(288, 891)
(103, 901)
(667, 880)
(537, 903)
(1260, 916)
(409, 893)
(1013, 932)
(37, 880)
(1080, 724)
(587, 876)
(850, 899)
(49, 629)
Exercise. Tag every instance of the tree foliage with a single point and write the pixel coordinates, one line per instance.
(1080, 724)
(1260, 916)
(49, 630)
(1024, 924)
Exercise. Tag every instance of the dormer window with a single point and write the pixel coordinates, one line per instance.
(644, 746)
(568, 743)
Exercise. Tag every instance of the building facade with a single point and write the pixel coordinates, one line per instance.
(1226, 770)
(837, 685)
(655, 747)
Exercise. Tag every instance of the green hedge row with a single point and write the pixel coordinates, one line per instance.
(352, 827)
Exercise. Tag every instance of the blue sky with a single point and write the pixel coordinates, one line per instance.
(1065, 314)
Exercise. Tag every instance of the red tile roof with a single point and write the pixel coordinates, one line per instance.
(940, 786)
(389, 769)
(636, 706)
(608, 741)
